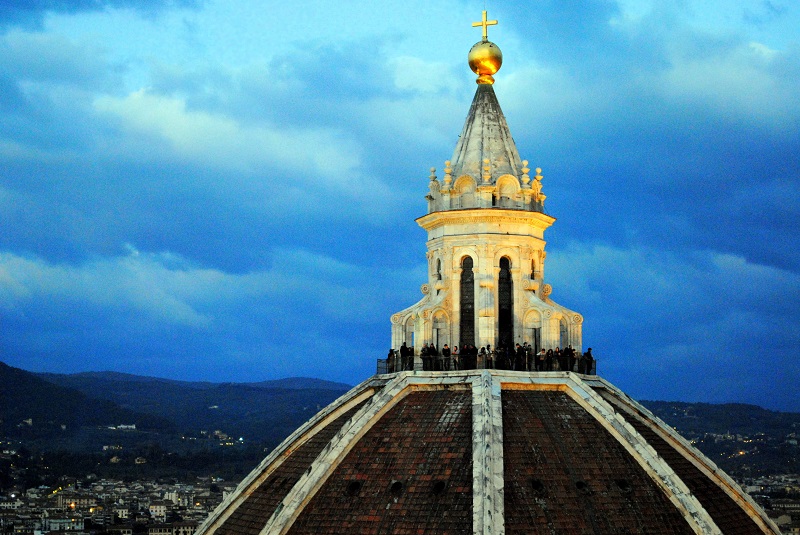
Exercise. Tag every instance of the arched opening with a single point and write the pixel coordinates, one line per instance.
(467, 323)
(505, 302)
(564, 334)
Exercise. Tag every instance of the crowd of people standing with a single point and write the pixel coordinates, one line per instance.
(522, 357)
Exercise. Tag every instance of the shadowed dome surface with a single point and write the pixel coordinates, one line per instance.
(486, 451)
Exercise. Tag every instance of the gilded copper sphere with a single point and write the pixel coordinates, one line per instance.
(485, 59)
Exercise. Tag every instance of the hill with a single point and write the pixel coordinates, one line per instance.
(202, 424)
(696, 419)
(87, 379)
(70, 424)
(745, 440)
(32, 408)
(263, 412)
(301, 383)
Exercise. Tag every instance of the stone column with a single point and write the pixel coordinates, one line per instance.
(486, 314)
(455, 316)
(485, 196)
(518, 293)
(398, 336)
(576, 332)
(550, 330)
(419, 340)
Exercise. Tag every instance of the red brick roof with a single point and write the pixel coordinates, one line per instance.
(413, 468)
(564, 473)
(486, 452)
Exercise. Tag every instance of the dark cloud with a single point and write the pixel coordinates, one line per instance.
(715, 168)
(54, 60)
(768, 12)
(31, 13)
(141, 307)
(12, 101)
(657, 317)
(721, 197)
(579, 38)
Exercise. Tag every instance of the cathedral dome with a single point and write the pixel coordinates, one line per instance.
(486, 452)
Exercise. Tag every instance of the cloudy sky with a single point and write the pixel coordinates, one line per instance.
(226, 190)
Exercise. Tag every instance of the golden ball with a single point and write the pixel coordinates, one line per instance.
(485, 58)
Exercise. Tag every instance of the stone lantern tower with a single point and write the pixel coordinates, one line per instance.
(486, 249)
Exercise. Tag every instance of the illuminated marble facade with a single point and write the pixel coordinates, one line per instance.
(486, 208)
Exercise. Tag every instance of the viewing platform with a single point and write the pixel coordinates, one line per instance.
(485, 361)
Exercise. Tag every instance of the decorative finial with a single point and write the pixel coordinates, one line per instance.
(448, 174)
(525, 178)
(536, 186)
(485, 23)
(487, 170)
(485, 57)
(433, 174)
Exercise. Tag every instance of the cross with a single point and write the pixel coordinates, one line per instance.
(485, 23)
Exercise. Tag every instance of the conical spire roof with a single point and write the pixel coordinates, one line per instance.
(486, 136)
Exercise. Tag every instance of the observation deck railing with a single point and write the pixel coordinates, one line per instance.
(482, 362)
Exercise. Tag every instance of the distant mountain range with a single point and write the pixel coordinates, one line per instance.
(32, 407)
(38, 405)
(74, 412)
(695, 419)
(81, 380)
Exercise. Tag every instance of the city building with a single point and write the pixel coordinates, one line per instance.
(159, 510)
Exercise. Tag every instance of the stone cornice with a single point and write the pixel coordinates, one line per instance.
(484, 215)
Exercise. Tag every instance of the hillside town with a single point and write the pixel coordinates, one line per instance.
(779, 495)
(96, 506)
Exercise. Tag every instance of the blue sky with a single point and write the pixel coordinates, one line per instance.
(226, 191)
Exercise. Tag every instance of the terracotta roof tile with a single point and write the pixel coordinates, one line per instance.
(411, 473)
(727, 514)
(405, 466)
(254, 512)
(564, 473)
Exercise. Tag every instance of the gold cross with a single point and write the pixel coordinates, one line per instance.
(485, 23)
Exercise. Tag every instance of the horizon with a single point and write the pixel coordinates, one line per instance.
(351, 386)
(202, 189)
